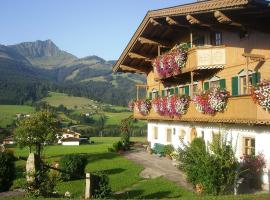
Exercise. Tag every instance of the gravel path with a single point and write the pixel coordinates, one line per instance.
(156, 166)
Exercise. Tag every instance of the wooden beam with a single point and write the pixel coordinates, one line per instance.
(133, 69)
(156, 23)
(194, 21)
(138, 56)
(256, 57)
(173, 22)
(223, 19)
(148, 41)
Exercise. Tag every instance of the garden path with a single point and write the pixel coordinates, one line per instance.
(156, 166)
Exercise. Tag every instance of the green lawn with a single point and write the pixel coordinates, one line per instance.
(8, 113)
(123, 174)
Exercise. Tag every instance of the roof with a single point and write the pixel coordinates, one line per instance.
(152, 18)
(70, 139)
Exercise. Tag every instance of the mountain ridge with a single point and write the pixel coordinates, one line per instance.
(45, 61)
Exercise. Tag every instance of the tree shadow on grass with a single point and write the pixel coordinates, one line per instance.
(113, 171)
(91, 157)
(137, 194)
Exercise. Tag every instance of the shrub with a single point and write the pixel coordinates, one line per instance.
(252, 168)
(118, 146)
(100, 185)
(159, 149)
(214, 171)
(7, 170)
(72, 166)
(168, 149)
(43, 185)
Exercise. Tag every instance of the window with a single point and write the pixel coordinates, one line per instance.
(155, 131)
(243, 84)
(202, 133)
(182, 134)
(154, 93)
(214, 84)
(240, 84)
(184, 90)
(216, 38)
(195, 88)
(249, 146)
(198, 40)
(169, 135)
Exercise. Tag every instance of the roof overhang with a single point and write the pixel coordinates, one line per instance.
(164, 19)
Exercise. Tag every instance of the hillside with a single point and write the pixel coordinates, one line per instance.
(30, 69)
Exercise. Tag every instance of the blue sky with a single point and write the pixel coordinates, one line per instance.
(81, 27)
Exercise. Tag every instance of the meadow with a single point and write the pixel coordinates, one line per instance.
(8, 113)
(123, 174)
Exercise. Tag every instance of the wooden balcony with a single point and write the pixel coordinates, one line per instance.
(205, 57)
(239, 109)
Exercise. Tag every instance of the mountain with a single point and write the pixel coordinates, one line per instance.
(43, 54)
(33, 68)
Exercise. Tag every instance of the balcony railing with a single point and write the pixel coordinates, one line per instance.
(239, 109)
(205, 57)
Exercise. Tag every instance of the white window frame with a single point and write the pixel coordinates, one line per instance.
(243, 74)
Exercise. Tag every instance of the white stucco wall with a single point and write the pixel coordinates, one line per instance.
(236, 132)
(71, 143)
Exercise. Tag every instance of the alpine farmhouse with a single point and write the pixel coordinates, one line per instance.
(207, 66)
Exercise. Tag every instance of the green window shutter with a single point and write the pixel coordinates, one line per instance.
(176, 90)
(235, 86)
(256, 78)
(186, 88)
(172, 91)
(163, 93)
(222, 83)
(150, 95)
(206, 85)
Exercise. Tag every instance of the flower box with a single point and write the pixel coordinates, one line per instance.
(171, 63)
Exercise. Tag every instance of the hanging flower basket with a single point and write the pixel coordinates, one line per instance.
(131, 105)
(211, 101)
(261, 94)
(171, 105)
(171, 63)
(143, 106)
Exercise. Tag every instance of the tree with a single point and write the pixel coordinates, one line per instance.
(126, 127)
(101, 123)
(36, 130)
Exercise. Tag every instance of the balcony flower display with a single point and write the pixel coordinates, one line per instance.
(211, 101)
(143, 106)
(170, 63)
(261, 94)
(171, 105)
(131, 105)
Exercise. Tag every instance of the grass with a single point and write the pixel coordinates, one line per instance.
(123, 174)
(71, 102)
(8, 113)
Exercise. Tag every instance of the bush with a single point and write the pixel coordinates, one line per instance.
(214, 171)
(118, 146)
(252, 168)
(7, 170)
(101, 188)
(43, 185)
(159, 149)
(168, 149)
(72, 166)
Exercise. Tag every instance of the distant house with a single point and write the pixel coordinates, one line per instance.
(9, 140)
(67, 133)
(70, 141)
